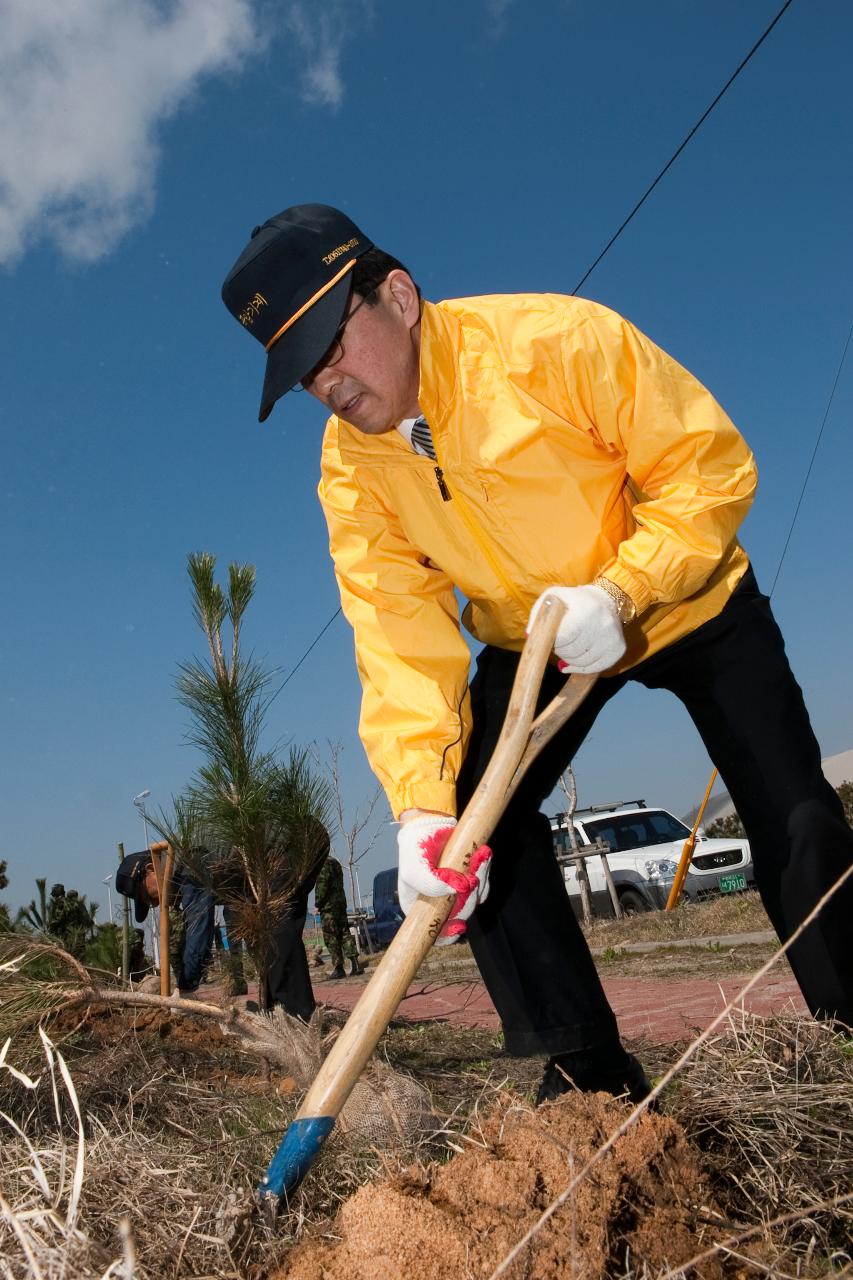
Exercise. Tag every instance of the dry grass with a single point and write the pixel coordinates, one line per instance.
(144, 1166)
(730, 913)
(176, 1132)
(770, 1102)
(178, 1126)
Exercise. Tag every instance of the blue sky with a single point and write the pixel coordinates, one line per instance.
(493, 145)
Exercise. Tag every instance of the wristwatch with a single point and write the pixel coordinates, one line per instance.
(625, 607)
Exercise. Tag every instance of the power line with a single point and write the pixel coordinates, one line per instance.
(293, 670)
(805, 482)
(589, 271)
(671, 161)
(814, 455)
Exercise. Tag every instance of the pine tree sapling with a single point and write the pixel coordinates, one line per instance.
(249, 825)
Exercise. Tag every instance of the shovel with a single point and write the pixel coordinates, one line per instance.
(520, 741)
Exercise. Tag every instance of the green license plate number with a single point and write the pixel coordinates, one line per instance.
(732, 883)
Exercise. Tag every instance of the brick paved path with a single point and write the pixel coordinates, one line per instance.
(660, 1011)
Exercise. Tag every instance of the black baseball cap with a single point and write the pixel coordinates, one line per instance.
(130, 881)
(290, 288)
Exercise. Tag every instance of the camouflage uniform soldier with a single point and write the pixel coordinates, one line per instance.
(56, 908)
(331, 901)
(69, 919)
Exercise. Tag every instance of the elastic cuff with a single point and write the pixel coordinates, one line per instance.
(440, 797)
(629, 583)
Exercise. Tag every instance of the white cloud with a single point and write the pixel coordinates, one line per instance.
(84, 85)
(320, 32)
(497, 11)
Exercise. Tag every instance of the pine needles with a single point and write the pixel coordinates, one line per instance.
(250, 826)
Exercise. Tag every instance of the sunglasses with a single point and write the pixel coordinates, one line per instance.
(335, 350)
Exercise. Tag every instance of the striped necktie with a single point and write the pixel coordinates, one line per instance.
(422, 437)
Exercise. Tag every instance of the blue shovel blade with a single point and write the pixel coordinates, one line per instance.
(295, 1155)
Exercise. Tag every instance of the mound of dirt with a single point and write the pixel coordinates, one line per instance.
(106, 1025)
(644, 1203)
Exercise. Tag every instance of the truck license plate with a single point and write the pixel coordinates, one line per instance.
(732, 883)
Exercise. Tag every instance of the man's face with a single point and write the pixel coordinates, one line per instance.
(149, 884)
(374, 384)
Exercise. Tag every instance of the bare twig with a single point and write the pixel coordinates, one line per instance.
(351, 828)
(740, 1237)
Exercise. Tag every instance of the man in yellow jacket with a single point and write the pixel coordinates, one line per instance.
(500, 448)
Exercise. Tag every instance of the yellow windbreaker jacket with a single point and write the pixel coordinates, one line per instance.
(570, 445)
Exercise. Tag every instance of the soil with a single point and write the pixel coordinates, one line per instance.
(113, 1050)
(105, 1025)
(646, 1202)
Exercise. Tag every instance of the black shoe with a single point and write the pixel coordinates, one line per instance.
(356, 967)
(567, 1071)
(338, 972)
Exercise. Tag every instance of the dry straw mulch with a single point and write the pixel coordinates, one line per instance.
(140, 1161)
(770, 1104)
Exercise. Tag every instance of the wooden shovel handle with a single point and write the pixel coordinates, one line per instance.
(521, 740)
(163, 872)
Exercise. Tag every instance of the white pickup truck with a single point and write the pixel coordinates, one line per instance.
(643, 848)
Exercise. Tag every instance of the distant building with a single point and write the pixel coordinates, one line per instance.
(837, 769)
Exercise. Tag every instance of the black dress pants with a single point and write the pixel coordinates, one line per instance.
(733, 676)
(288, 979)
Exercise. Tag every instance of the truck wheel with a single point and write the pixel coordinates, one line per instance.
(632, 903)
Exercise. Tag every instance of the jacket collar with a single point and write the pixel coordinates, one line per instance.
(441, 339)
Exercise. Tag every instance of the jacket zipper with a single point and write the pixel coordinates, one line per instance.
(481, 541)
(446, 495)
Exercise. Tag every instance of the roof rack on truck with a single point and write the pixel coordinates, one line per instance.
(609, 808)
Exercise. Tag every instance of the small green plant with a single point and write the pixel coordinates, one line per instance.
(729, 828)
(103, 950)
(34, 915)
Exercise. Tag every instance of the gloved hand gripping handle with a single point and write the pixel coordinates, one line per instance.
(521, 740)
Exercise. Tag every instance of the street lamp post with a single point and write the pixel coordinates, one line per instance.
(107, 880)
(139, 802)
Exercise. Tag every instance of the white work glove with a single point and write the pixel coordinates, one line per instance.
(590, 637)
(420, 842)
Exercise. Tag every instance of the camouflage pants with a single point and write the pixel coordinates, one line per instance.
(338, 938)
